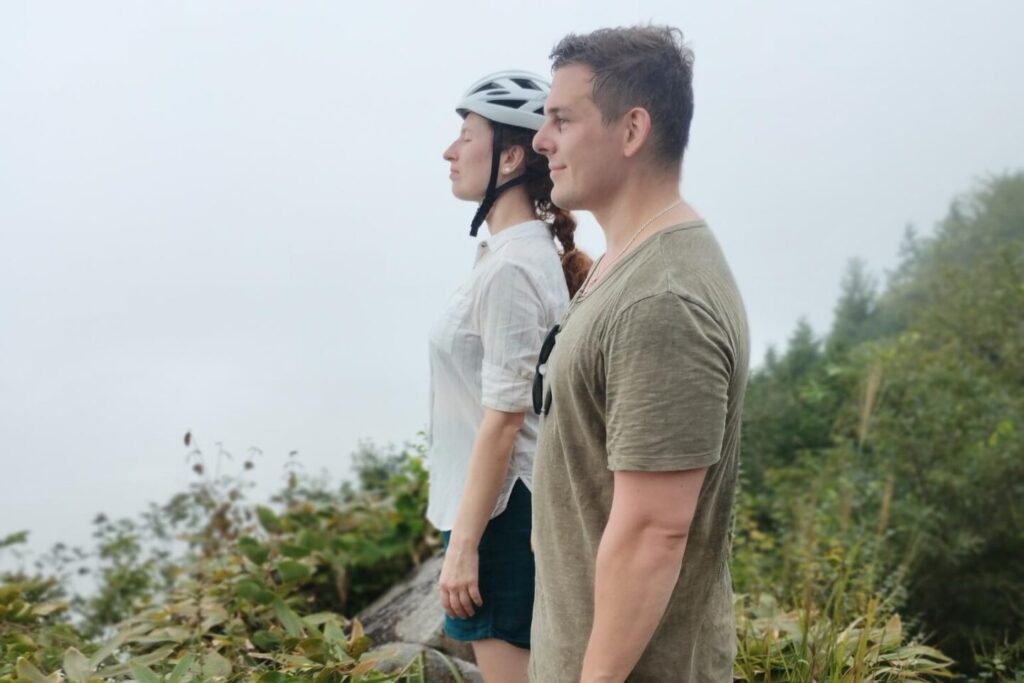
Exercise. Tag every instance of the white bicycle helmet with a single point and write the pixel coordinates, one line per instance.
(510, 98)
(515, 98)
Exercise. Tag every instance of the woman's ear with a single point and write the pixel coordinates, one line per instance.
(513, 160)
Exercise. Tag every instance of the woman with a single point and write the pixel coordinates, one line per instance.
(483, 351)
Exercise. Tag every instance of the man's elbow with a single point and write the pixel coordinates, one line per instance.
(666, 538)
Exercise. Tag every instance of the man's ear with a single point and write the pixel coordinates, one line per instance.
(636, 130)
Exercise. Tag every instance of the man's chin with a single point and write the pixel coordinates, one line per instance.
(563, 200)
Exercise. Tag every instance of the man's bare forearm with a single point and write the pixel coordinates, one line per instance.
(637, 570)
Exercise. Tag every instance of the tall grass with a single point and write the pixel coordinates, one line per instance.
(820, 605)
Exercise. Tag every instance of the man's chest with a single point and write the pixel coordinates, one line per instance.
(577, 368)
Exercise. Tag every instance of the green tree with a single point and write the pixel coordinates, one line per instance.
(854, 319)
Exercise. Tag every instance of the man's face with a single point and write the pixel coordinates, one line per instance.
(585, 157)
(469, 158)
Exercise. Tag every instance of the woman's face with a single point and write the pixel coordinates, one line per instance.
(470, 158)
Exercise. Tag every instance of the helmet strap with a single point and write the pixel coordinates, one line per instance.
(491, 194)
(493, 191)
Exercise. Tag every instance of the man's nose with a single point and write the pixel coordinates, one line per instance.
(542, 140)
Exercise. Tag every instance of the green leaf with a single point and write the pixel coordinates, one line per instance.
(14, 539)
(45, 609)
(252, 549)
(294, 551)
(253, 591)
(30, 673)
(76, 666)
(289, 619)
(143, 674)
(274, 677)
(181, 668)
(268, 520)
(172, 634)
(312, 540)
(334, 634)
(106, 650)
(320, 618)
(358, 646)
(266, 640)
(144, 660)
(215, 665)
(290, 570)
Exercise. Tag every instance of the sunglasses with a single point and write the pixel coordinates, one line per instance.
(542, 403)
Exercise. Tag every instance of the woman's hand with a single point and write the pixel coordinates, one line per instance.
(460, 582)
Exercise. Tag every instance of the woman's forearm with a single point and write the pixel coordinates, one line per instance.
(488, 470)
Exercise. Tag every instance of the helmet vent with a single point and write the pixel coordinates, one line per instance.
(486, 86)
(524, 83)
(539, 110)
(509, 103)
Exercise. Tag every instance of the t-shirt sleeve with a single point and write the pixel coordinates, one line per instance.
(511, 319)
(668, 366)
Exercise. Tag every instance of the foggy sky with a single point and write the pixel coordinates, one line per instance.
(234, 217)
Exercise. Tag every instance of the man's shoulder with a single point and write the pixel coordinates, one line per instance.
(683, 261)
(685, 265)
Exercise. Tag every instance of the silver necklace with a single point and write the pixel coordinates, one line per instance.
(585, 289)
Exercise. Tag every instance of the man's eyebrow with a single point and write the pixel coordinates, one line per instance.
(555, 111)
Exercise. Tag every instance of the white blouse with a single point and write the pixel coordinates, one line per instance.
(483, 353)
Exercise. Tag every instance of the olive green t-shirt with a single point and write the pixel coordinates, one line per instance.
(648, 373)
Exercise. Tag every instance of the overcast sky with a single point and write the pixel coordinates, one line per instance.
(233, 217)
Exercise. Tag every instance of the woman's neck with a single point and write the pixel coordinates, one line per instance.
(512, 208)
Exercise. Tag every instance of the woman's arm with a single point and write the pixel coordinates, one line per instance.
(488, 469)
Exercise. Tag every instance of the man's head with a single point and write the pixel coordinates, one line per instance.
(621, 100)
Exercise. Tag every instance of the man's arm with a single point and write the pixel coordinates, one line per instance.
(638, 564)
(488, 468)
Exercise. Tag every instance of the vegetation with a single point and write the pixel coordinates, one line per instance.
(883, 464)
(253, 592)
(878, 531)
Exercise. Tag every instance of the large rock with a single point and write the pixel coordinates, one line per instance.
(439, 668)
(411, 612)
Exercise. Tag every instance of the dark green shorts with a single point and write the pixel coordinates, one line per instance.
(506, 577)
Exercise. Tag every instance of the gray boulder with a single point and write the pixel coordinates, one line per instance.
(411, 612)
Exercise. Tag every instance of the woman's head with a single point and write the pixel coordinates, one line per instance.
(494, 152)
(470, 157)
(482, 166)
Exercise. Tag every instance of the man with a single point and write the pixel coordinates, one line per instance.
(638, 452)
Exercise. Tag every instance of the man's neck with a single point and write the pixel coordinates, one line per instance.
(637, 202)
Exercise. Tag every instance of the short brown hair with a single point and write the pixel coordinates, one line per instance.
(639, 66)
